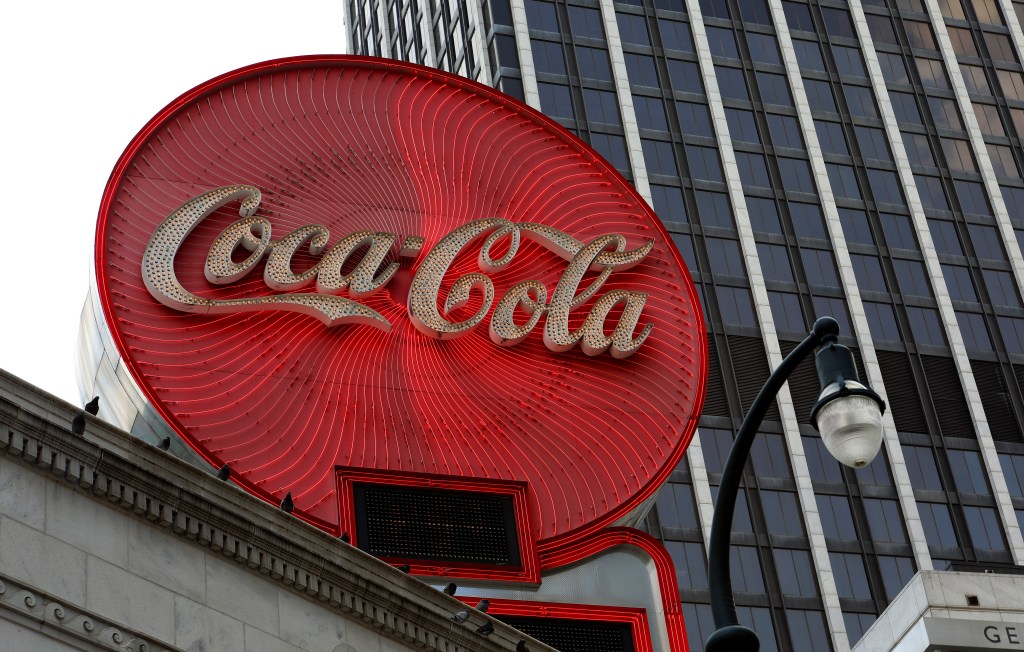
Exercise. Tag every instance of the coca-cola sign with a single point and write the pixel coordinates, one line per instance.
(338, 262)
(366, 279)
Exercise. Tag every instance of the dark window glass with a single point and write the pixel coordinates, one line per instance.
(746, 569)
(731, 83)
(769, 456)
(819, 96)
(884, 520)
(834, 307)
(986, 242)
(753, 171)
(659, 157)
(742, 125)
(691, 569)
(1013, 470)
(983, 528)
(781, 512)
(633, 29)
(850, 575)
(968, 472)
(668, 203)
(831, 137)
(541, 15)
(894, 70)
(755, 11)
(725, 257)
(763, 48)
(548, 57)
(822, 466)
(882, 321)
(882, 30)
(684, 243)
(773, 88)
(933, 75)
(1002, 290)
(836, 517)
(905, 107)
(586, 22)
(685, 77)
(958, 155)
(704, 163)
(722, 42)
(694, 118)
(807, 220)
(899, 233)
(973, 331)
(857, 624)
(675, 35)
(918, 150)
(1012, 330)
(808, 55)
(796, 576)
(736, 305)
(650, 113)
(924, 474)
(764, 215)
(677, 507)
(796, 175)
(798, 16)
(945, 113)
(856, 227)
(837, 22)
(715, 443)
(807, 629)
(714, 9)
(896, 572)
(872, 143)
(885, 186)
(913, 280)
(959, 283)
(785, 131)
(843, 181)
(612, 148)
(938, 524)
(713, 209)
(860, 100)
(774, 262)
(848, 61)
(945, 238)
(786, 312)
(602, 107)
(555, 100)
(925, 326)
(641, 70)
(931, 192)
(869, 273)
(593, 63)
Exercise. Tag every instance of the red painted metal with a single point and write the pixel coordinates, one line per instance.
(359, 143)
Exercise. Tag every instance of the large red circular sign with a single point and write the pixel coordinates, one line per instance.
(368, 145)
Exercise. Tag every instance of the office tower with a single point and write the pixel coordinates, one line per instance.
(857, 159)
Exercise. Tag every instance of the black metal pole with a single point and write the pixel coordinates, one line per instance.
(729, 635)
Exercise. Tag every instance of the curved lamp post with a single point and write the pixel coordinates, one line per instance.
(848, 415)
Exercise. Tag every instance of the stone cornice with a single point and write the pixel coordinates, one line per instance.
(130, 474)
(61, 619)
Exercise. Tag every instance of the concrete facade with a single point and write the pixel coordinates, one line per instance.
(107, 543)
(945, 610)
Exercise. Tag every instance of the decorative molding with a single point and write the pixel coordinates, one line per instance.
(52, 614)
(135, 476)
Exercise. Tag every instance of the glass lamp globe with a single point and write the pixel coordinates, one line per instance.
(849, 417)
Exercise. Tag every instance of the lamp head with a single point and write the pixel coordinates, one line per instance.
(848, 413)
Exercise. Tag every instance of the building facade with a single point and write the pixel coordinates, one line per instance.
(860, 159)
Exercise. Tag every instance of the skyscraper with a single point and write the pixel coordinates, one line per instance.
(857, 159)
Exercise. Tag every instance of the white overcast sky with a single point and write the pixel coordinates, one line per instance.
(82, 78)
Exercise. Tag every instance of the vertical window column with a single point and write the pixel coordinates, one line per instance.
(619, 74)
(526, 65)
(1005, 227)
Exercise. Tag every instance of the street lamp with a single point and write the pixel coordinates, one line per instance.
(848, 415)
